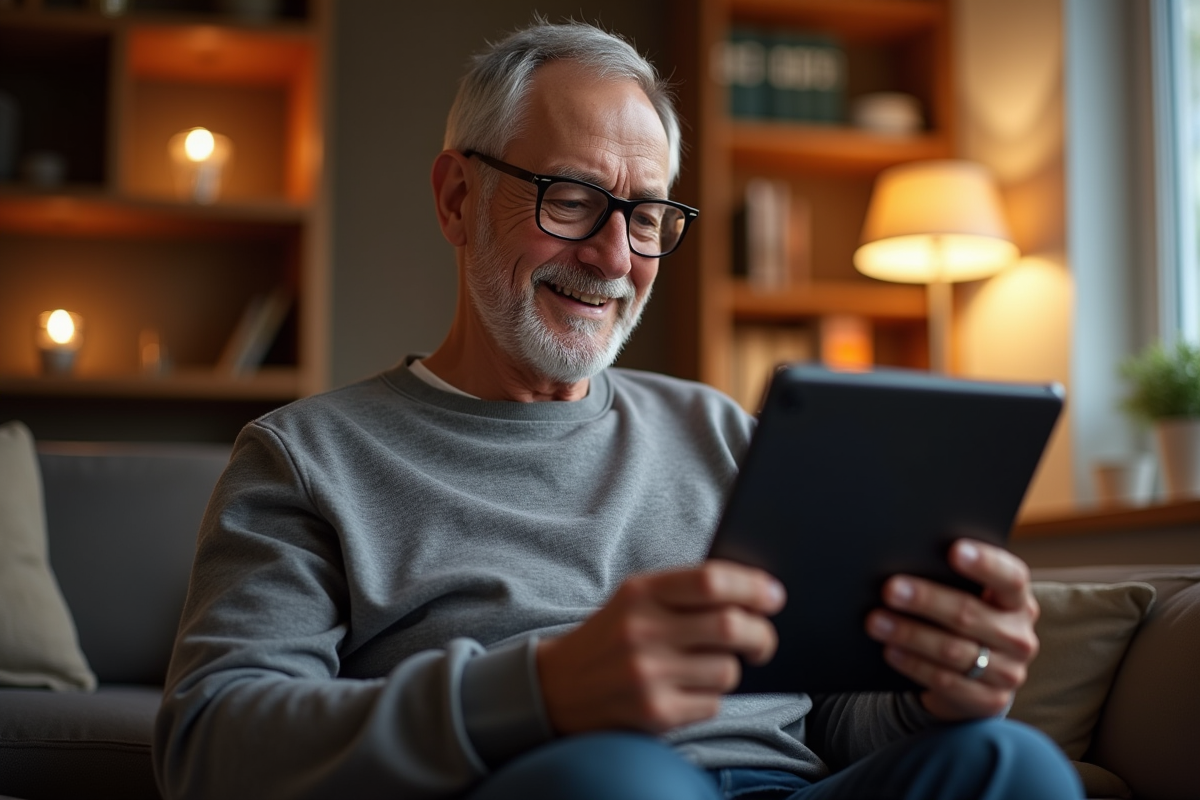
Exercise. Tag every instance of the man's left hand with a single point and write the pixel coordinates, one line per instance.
(940, 656)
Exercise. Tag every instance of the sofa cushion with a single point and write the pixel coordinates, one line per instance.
(38, 642)
(122, 522)
(97, 745)
(1084, 630)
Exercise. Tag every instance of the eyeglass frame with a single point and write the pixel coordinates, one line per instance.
(544, 182)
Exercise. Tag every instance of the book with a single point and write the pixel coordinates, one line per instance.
(255, 332)
(758, 350)
(806, 77)
(740, 63)
(768, 225)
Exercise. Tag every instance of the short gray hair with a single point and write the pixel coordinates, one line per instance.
(491, 96)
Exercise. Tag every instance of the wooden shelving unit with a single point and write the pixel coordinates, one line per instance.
(116, 243)
(890, 45)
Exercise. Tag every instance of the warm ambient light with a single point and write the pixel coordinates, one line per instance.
(199, 144)
(59, 327)
(198, 158)
(935, 222)
(59, 337)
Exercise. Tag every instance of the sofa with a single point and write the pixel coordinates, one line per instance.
(1117, 686)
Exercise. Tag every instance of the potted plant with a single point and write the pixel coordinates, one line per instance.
(1165, 385)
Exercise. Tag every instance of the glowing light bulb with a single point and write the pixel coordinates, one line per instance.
(199, 144)
(60, 327)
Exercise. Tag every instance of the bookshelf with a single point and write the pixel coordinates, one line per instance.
(115, 241)
(888, 45)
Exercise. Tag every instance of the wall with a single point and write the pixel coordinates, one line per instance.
(396, 67)
(1017, 325)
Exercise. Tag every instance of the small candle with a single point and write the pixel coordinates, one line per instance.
(198, 156)
(59, 337)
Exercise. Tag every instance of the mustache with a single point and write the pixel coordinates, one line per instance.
(579, 280)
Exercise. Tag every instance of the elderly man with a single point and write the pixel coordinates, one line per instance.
(481, 573)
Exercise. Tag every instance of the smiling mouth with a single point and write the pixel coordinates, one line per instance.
(583, 297)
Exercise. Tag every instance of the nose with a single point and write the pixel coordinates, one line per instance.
(608, 248)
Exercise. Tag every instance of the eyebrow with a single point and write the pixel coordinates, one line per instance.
(597, 180)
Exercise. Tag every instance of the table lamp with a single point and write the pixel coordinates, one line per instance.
(935, 222)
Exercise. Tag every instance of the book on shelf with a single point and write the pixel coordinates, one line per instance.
(760, 349)
(782, 74)
(839, 341)
(772, 236)
(255, 332)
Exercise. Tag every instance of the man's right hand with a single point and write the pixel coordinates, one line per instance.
(662, 651)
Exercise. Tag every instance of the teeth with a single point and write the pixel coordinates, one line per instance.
(583, 297)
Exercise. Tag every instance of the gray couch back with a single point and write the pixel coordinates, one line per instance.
(121, 522)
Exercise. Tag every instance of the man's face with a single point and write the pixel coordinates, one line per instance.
(564, 309)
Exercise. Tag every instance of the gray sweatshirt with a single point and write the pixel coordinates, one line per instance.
(377, 564)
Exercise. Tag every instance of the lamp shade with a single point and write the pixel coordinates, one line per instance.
(934, 221)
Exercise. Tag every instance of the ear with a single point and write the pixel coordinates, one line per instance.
(451, 188)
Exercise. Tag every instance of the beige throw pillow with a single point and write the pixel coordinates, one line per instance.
(1084, 630)
(38, 644)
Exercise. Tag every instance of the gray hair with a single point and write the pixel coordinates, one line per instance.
(491, 96)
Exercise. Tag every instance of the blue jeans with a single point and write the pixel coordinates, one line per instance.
(984, 760)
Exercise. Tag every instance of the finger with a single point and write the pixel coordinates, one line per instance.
(707, 672)
(944, 650)
(950, 694)
(1002, 574)
(963, 614)
(730, 629)
(717, 583)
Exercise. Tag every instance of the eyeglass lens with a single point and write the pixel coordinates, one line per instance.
(572, 210)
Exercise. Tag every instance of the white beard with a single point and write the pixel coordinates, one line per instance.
(510, 314)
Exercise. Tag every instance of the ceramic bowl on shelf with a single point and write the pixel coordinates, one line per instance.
(893, 113)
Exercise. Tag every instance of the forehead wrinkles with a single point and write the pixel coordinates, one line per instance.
(594, 129)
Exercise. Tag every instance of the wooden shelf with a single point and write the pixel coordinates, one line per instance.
(780, 146)
(868, 21)
(874, 300)
(1104, 520)
(116, 245)
(889, 45)
(94, 212)
(280, 384)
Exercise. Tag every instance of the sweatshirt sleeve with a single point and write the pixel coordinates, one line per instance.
(254, 705)
(843, 728)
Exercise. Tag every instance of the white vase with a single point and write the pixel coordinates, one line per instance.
(1179, 452)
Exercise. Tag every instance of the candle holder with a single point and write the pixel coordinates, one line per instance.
(59, 337)
(198, 157)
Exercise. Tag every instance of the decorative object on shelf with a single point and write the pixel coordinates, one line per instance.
(847, 342)
(44, 169)
(1165, 392)
(781, 74)
(59, 337)
(1125, 482)
(889, 113)
(256, 330)
(110, 8)
(198, 157)
(152, 352)
(10, 126)
(935, 222)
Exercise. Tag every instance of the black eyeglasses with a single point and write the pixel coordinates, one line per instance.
(575, 210)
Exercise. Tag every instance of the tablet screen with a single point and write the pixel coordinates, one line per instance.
(853, 477)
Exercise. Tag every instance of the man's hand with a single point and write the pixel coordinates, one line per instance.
(939, 656)
(662, 651)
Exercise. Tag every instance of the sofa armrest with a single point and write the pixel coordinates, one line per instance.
(1148, 730)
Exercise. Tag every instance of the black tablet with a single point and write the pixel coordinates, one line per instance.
(853, 477)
